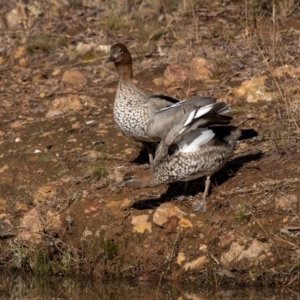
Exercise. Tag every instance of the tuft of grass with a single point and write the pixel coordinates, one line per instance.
(109, 248)
(115, 22)
(44, 42)
(242, 213)
(149, 32)
(103, 156)
(99, 172)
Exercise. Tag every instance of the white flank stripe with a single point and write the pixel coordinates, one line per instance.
(197, 113)
(190, 118)
(204, 110)
(199, 141)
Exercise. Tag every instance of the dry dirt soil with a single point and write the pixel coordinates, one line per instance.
(61, 154)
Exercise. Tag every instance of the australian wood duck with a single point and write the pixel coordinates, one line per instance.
(145, 117)
(199, 144)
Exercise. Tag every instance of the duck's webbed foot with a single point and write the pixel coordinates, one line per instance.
(183, 198)
(200, 205)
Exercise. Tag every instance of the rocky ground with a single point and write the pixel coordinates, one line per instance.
(61, 154)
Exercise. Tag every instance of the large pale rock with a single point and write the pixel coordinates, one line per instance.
(19, 52)
(226, 239)
(45, 195)
(13, 19)
(287, 203)
(141, 224)
(165, 212)
(65, 104)
(74, 77)
(53, 224)
(253, 90)
(31, 228)
(53, 113)
(197, 69)
(200, 69)
(252, 255)
(286, 70)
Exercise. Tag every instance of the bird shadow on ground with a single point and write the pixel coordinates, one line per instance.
(176, 189)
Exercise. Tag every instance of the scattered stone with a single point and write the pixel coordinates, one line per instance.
(197, 69)
(113, 204)
(6, 228)
(181, 258)
(53, 113)
(203, 248)
(19, 52)
(65, 104)
(13, 19)
(87, 101)
(5, 167)
(126, 203)
(287, 203)
(253, 90)
(87, 233)
(226, 239)
(91, 209)
(74, 77)
(45, 195)
(165, 212)
(184, 223)
(196, 264)
(53, 224)
(20, 207)
(286, 70)
(253, 255)
(31, 228)
(141, 224)
(200, 69)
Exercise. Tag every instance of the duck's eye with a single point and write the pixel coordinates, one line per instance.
(127, 178)
(120, 50)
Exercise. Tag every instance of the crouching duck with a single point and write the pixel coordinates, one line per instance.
(199, 144)
(145, 117)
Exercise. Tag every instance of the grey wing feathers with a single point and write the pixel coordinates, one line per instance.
(161, 123)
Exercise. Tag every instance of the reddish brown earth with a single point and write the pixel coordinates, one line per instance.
(62, 171)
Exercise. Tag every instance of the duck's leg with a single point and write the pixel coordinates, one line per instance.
(201, 205)
(150, 149)
(186, 187)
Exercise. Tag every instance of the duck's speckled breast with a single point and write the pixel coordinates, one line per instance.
(130, 115)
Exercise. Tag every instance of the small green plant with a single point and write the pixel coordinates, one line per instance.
(75, 197)
(19, 254)
(242, 213)
(102, 156)
(44, 42)
(115, 22)
(110, 248)
(99, 172)
(67, 262)
(89, 57)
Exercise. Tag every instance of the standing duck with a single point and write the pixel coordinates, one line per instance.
(145, 117)
(194, 147)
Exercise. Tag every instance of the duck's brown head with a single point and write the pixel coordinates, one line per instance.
(138, 179)
(120, 55)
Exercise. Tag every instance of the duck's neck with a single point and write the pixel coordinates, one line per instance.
(125, 72)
